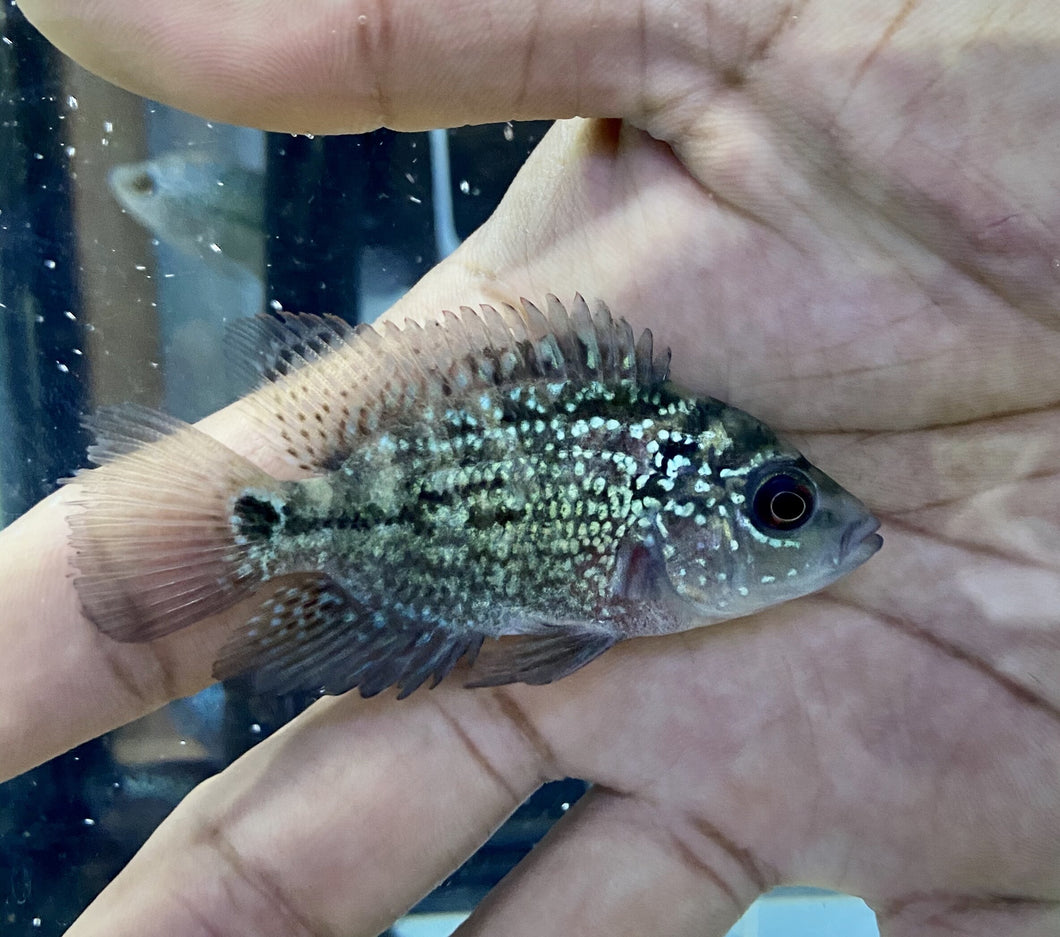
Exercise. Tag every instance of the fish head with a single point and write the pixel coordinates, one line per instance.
(161, 193)
(202, 205)
(758, 527)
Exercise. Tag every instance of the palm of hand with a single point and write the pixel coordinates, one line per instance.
(840, 239)
(885, 297)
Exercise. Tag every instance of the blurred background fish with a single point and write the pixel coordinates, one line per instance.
(203, 206)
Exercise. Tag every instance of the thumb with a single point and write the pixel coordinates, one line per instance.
(326, 67)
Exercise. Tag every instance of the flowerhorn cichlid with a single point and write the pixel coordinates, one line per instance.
(505, 472)
(203, 206)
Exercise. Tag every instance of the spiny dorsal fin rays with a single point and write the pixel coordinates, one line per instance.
(330, 382)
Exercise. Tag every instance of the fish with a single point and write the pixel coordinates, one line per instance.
(523, 476)
(205, 207)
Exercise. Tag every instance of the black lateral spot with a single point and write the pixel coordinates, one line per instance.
(255, 518)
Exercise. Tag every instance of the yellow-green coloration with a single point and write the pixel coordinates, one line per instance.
(510, 473)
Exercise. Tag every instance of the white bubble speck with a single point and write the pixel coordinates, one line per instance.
(140, 268)
(69, 315)
(36, 922)
(70, 151)
(71, 102)
(216, 248)
(50, 264)
(108, 126)
(362, 19)
(465, 186)
(255, 729)
(88, 821)
(62, 367)
(415, 201)
(275, 305)
(509, 132)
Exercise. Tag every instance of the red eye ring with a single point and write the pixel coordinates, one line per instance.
(784, 501)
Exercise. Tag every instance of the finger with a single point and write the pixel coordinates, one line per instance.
(973, 915)
(335, 825)
(619, 866)
(328, 67)
(61, 681)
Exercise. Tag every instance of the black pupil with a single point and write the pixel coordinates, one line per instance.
(783, 502)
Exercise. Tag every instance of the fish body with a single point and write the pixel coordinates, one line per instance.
(509, 474)
(202, 206)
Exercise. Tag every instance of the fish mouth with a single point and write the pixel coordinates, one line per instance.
(858, 543)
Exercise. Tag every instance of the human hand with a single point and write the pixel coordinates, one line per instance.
(844, 219)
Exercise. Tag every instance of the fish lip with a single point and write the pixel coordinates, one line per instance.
(858, 543)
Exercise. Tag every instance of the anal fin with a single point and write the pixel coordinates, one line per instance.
(309, 634)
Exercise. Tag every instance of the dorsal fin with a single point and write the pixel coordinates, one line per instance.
(328, 383)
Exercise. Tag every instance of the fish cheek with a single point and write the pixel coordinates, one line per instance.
(701, 563)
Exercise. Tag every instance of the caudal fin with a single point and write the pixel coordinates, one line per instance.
(155, 542)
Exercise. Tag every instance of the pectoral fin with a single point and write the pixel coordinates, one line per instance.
(539, 659)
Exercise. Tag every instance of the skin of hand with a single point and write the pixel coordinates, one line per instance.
(845, 218)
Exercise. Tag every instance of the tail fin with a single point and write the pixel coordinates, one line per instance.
(156, 545)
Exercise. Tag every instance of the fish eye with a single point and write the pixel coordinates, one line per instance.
(142, 184)
(783, 501)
